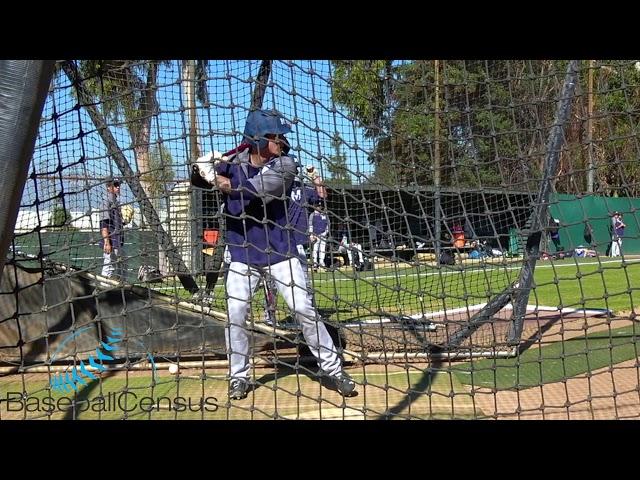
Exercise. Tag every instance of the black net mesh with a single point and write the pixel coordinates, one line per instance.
(473, 268)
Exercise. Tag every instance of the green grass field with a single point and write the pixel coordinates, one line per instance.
(612, 284)
(553, 363)
(577, 283)
(382, 394)
(587, 284)
(345, 295)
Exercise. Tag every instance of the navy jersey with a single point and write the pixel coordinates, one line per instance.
(618, 227)
(111, 218)
(301, 197)
(257, 210)
(319, 222)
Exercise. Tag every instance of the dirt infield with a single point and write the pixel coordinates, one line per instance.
(384, 392)
(603, 394)
(418, 336)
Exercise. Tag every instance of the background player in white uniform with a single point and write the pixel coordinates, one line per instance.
(351, 248)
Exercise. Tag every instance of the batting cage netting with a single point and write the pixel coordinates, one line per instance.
(367, 239)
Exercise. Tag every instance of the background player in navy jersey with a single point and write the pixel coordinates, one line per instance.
(617, 229)
(112, 233)
(319, 227)
(303, 196)
(257, 184)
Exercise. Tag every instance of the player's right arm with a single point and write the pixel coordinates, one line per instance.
(320, 189)
(105, 226)
(312, 237)
(104, 231)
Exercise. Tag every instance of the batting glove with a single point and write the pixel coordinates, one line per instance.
(206, 165)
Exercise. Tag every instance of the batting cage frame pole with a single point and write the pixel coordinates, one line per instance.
(541, 206)
(437, 204)
(261, 84)
(518, 293)
(24, 85)
(164, 240)
(257, 98)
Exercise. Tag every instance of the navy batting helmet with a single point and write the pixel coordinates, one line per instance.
(261, 123)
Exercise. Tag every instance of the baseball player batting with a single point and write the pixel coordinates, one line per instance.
(257, 184)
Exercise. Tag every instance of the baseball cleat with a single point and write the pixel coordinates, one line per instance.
(344, 384)
(238, 389)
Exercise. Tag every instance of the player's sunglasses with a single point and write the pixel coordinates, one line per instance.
(281, 139)
(276, 137)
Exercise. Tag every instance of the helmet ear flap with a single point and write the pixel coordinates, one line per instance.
(285, 145)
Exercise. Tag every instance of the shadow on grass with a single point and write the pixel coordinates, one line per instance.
(422, 387)
(537, 335)
(325, 314)
(310, 371)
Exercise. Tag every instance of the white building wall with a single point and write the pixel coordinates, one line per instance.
(179, 221)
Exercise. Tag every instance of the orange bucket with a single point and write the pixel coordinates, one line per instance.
(211, 236)
(458, 239)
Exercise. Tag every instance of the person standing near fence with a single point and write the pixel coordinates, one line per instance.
(319, 228)
(554, 234)
(112, 234)
(373, 236)
(257, 188)
(588, 233)
(352, 250)
(617, 233)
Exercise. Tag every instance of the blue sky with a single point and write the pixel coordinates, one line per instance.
(299, 89)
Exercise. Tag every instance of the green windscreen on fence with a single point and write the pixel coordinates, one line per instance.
(575, 212)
